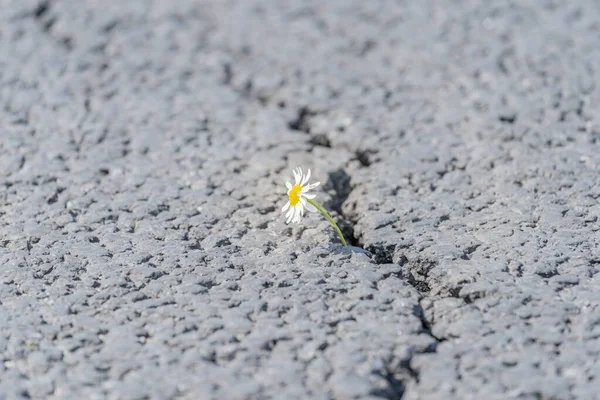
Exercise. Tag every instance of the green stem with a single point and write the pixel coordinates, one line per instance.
(331, 221)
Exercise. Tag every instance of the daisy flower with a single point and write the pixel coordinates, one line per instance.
(297, 196)
(300, 199)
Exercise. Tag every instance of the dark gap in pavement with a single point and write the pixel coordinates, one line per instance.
(365, 157)
(339, 182)
(227, 74)
(320, 140)
(426, 324)
(41, 9)
(41, 13)
(301, 122)
(395, 389)
(382, 253)
(415, 273)
(508, 118)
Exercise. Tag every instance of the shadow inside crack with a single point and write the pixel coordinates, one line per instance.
(339, 183)
(394, 390)
(349, 249)
(302, 121)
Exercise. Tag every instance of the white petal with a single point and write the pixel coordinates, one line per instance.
(311, 208)
(306, 178)
(298, 175)
(287, 205)
(310, 186)
(289, 186)
(289, 215)
(308, 196)
(298, 214)
(292, 217)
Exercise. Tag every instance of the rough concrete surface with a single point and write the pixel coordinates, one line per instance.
(144, 147)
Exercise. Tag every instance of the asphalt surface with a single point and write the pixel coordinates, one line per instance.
(144, 147)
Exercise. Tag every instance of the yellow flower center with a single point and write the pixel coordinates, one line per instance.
(294, 194)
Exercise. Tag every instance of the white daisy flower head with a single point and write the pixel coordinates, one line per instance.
(300, 199)
(298, 194)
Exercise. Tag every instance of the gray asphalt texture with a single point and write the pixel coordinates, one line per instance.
(143, 154)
